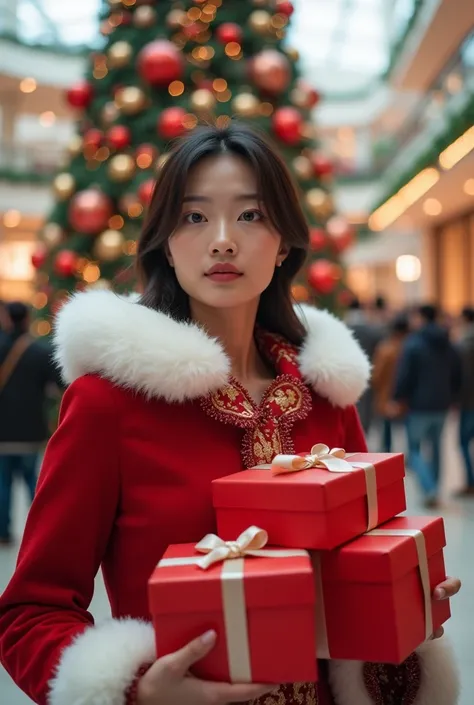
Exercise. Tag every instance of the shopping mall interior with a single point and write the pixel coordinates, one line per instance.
(395, 121)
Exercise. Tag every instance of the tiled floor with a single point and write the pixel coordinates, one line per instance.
(459, 518)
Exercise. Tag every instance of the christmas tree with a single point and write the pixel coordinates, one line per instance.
(165, 66)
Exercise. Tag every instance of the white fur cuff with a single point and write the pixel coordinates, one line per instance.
(100, 664)
(439, 678)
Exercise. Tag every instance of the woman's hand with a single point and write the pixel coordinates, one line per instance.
(443, 591)
(168, 681)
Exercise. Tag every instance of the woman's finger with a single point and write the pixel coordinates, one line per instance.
(448, 588)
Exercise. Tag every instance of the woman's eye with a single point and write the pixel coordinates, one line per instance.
(251, 216)
(194, 218)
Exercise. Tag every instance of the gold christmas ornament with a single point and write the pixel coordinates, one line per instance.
(246, 105)
(260, 22)
(203, 100)
(144, 16)
(292, 53)
(109, 246)
(121, 167)
(115, 4)
(52, 234)
(303, 167)
(64, 186)
(119, 55)
(109, 114)
(75, 146)
(299, 98)
(319, 202)
(130, 100)
(176, 19)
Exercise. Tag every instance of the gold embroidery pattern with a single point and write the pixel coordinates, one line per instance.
(393, 685)
(267, 425)
(293, 694)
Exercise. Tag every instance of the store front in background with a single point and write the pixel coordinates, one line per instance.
(452, 249)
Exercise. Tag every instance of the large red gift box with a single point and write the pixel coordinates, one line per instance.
(314, 508)
(374, 594)
(262, 608)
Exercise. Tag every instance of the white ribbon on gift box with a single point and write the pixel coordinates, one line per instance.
(322, 644)
(334, 460)
(232, 554)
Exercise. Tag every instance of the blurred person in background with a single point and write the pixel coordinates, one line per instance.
(5, 322)
(466, 397)
(26, 371)
(386, 360)
(427, 383)
(368, 336)
(380, 316)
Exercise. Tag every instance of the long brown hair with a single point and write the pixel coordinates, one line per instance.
(276, 191)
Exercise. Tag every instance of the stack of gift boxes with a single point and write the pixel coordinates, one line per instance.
(311, 561)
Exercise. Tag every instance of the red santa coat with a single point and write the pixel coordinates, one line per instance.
(150, 418)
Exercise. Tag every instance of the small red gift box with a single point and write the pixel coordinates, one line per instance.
(374, 594)
(317, 501)
(260, 603)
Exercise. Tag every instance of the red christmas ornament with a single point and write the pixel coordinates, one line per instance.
(270, 70)
(38, 258)
(229, 32)
(323, 276)
(80, 95)
(340, 232)
(119, 137)
(145, 191)
(322, 165)
(171, 123)
(93, 138)
(90, 211)
(317, 239)
(65, 263)
(285, 7)
(160, 62)
(287, 123)
(193, 30)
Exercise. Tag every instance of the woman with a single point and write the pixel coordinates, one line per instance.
(210, 371)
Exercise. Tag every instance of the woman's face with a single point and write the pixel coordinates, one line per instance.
(224, 249)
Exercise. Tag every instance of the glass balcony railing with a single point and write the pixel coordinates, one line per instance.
(31, 162)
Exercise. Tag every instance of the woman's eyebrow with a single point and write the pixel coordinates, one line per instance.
(208, 199)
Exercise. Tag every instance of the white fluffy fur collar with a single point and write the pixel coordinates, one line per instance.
(138, 348)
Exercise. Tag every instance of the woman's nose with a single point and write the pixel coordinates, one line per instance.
(223, 242)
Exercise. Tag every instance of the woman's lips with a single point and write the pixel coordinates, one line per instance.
(223, 276)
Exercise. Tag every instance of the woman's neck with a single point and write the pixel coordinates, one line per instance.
(234, 327)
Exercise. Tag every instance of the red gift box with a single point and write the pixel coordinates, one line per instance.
(313, 508)
(374, 594)
(261, 607)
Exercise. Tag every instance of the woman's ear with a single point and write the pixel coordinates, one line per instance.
(283, 253)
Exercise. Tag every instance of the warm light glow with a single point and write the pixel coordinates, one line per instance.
(41, 328)
(224, 97)
(12, 218)
(408, 268)
(176, 88)
(266, 109)
(189, 121)
(28, 85)
(233, 49)
(219, 85)
(129, 3)
(432, 206)
(40, 300)
(223, 121)
(47, 119)
(279, 21)
(116, 222)
(100, 72)
(102, 154)
(406, 197)
(457, 150)
(135, 210)
(469, 187)
(194, 14)
(91, 273)
(116, 19)
(144, 161)
(130, 247)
